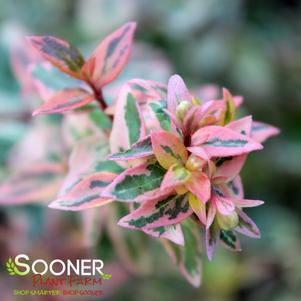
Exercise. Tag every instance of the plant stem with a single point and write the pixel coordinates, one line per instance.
(99, 98)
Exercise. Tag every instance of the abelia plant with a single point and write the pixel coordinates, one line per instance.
(171, 156)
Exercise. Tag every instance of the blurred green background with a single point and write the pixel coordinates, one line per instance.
(251, 47)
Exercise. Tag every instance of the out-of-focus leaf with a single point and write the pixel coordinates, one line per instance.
(188, 257)
(60, 53)
(65, 100)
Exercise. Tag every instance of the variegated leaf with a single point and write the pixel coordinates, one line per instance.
(175, 176)
(230, 240)
(228, 168)
(230, 108)
(84, 160)
(188, 258)
(140, 149)
(233, 188)
(109, 58)
(212, 237)
(261, 131)
(199, 185)
(65, 100)
(158, 111)
(79, 125)
(246, 226)
(37, 182)
(241, 126)
(168, 149)
(223, 142)
(85, 194)
(173, 233)
(60, 53)
(198, 207)
(137, 184)
(157, 213)
(223, 205)
(128, 118)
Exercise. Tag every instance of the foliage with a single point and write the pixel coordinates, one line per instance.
(171, 156)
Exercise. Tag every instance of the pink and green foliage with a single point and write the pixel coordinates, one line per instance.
(100, 69)
(170, 156)
(200, 155)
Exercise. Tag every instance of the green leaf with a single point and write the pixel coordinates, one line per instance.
(153, 214)
(164, 120)
(135, 185)
(140, 149)
(110, 166)
(132, 119)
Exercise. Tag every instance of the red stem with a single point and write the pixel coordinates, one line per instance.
(99, 98)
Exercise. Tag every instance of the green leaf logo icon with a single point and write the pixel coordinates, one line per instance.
(11, 267)
(105, 276)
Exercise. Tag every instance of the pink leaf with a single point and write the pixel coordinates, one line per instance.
(65, 100)
(199, 185)
(222, 142)
(199, 152)
(177, 92)
(23, 55)
(243, 203)
(168, 149)
(223, 205)
(246, 226)
(37, 182)
(207, 114)
(238, 100)
(109, 58)
(211, 214)
(175, 176)
(173, 233)
(85, 194)
(198, 207)
(262, 131)
(86, 154)
(241, 126)
(212, 240)
(207, 92)
(229, 168)
(233, 188)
